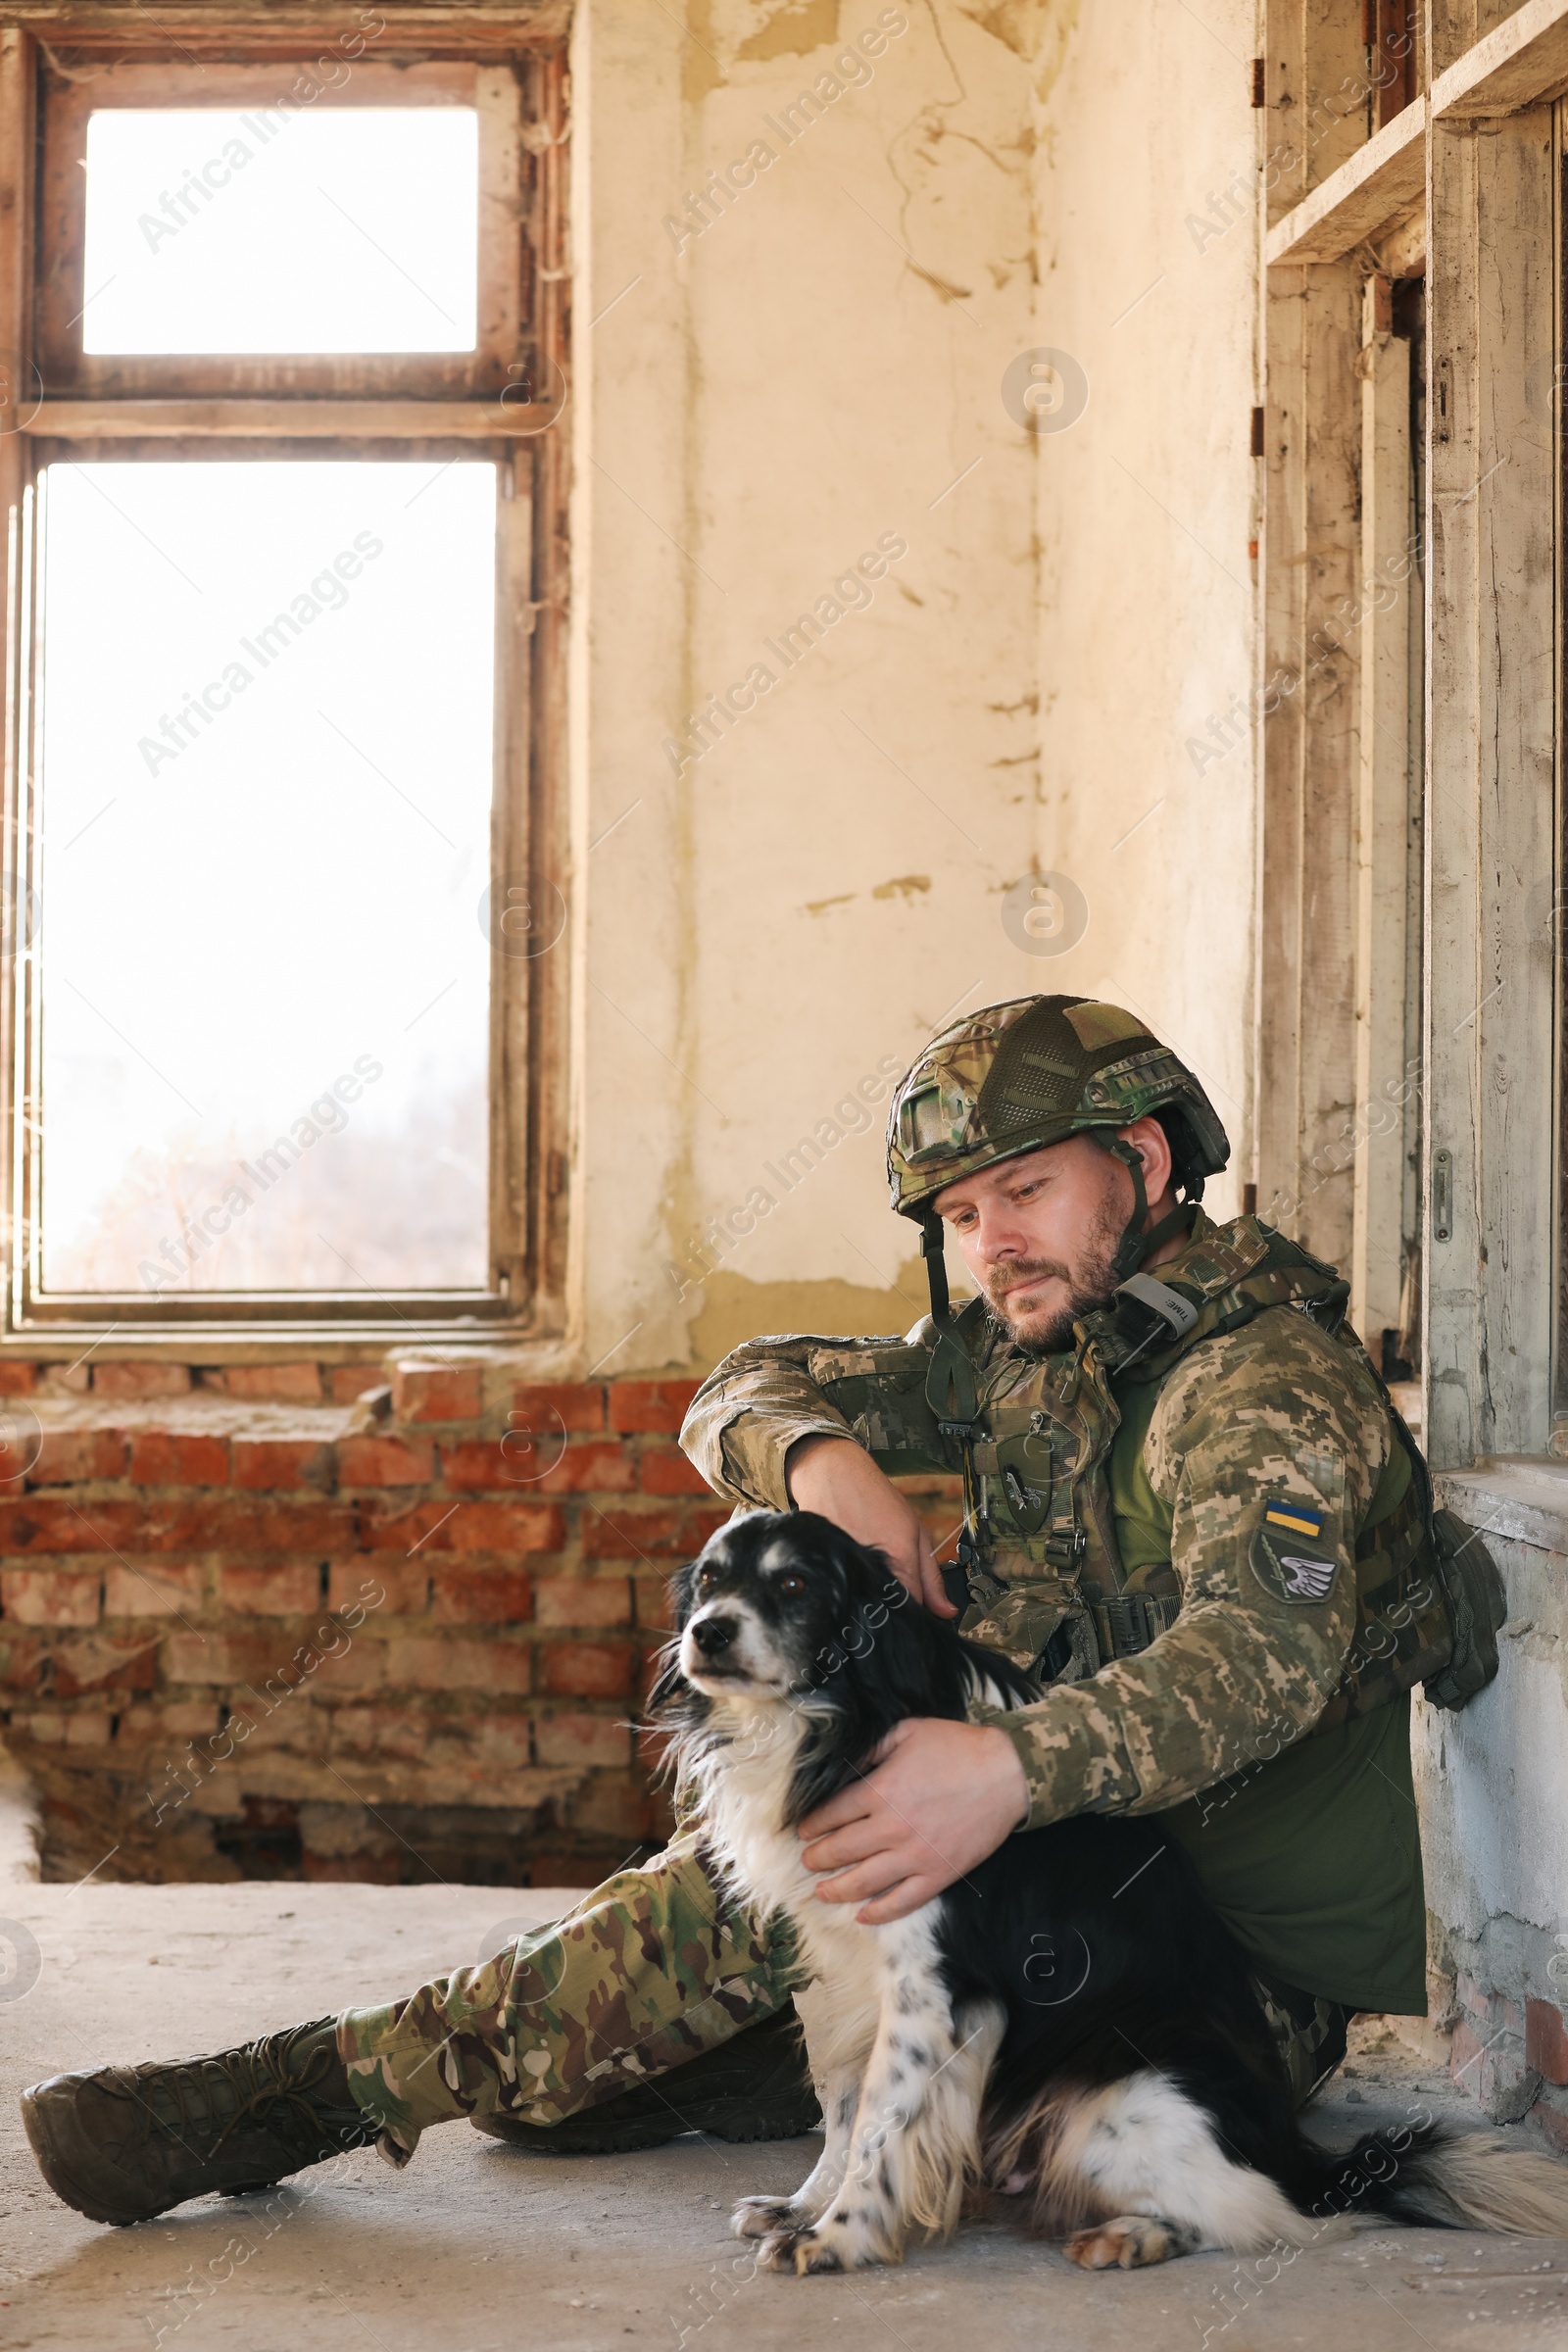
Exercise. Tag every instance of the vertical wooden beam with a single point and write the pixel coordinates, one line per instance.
(1491, 485)
(1314, 67)
(1392, 61)
(550, 1012)
(1307, 883)
(19, 386)
(17, 83)
(1382, 818)
(1306, 1061)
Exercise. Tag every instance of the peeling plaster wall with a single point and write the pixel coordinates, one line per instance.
(1493, 1786)
(771, 931)
(789, 915)
(1147, 514)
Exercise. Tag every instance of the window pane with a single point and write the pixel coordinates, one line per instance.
(353, 228)
(266, 807)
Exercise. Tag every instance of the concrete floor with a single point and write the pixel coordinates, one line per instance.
(475, 2248)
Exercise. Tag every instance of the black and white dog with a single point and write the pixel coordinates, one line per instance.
(1071, 2020)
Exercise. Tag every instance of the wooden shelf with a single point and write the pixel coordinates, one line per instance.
(1376, 188)
(287, 419)
(1520, 63)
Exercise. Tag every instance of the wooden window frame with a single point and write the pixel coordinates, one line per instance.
(501, 402)
(63, 296)
(1483, 145)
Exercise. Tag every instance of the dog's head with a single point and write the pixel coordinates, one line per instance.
(800, 1645)
(777, 1606)
(783, 1613)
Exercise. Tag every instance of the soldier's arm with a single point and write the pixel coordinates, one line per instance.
(1268, 1444)
(767, 1394)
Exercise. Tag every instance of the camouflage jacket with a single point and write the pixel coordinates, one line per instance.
(1267, 1444)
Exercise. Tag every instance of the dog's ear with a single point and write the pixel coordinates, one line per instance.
(682, 1594)
(668, 1682)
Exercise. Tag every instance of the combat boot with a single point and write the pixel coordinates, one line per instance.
(127, 2142)
(757, 2085)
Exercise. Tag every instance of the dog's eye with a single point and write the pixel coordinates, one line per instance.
(792, 1587)
(707, 1580)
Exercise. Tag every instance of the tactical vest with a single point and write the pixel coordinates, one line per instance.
(1039, 1554)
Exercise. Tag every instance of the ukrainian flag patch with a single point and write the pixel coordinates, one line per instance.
(1294, 1519)
(1291, 1555)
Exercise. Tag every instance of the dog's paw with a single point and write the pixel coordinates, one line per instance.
(763, 2217)
(777, 2250)
(821, 2248)
(805, 2251)
(1128, 2243)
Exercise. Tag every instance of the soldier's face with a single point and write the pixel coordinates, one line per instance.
(1039, 1233)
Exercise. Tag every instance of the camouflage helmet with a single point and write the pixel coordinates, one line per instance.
(1014, 1077)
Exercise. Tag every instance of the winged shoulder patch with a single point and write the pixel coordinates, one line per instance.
(1290, 1554)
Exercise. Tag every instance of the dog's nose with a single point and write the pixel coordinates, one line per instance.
(713, 1635)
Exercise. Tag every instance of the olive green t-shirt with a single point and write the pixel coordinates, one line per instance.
(1313, 1857)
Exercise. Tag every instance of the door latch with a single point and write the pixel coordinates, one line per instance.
(1443, 1196)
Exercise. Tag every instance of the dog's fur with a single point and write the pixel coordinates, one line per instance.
(1069, 2020)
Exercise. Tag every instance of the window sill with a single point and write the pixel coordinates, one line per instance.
(1521, 1498)
(334, 1342)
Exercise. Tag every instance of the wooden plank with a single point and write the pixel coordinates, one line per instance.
(1396, 43)
(1306, 1057)
(283, 29)
(289, 419)
(1277, 1111)
(1519, 64)
(1320, 96)
(554, 811)
(1492, 484)
(1374, 188)
(18, 81)
(262, 89)
(527, 910)
(1315, 78)
(1382, 816)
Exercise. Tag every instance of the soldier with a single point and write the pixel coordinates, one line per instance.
(1188, 1503)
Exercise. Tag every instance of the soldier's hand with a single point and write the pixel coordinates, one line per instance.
(837, 1478)
(942, 1797)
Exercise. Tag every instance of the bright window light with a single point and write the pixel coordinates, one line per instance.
(281, 229)
(262, 912)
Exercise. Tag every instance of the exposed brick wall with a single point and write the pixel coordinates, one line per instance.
(249, 1626)
(246, 1627)
(1510, 2057)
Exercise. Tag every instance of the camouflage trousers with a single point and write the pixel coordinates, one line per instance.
(1309, 2033)
(651, 1968)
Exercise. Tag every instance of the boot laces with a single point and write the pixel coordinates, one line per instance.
(261, 2078)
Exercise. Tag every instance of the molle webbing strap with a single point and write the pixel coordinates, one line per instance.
(1129, 1622)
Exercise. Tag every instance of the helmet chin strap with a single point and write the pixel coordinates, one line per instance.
(949, 1382)
(1135, 1243)
(950, 1389)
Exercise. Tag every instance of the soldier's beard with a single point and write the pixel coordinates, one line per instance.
(1090, 1279)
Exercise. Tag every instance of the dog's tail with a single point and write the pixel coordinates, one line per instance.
(1452, 2181)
